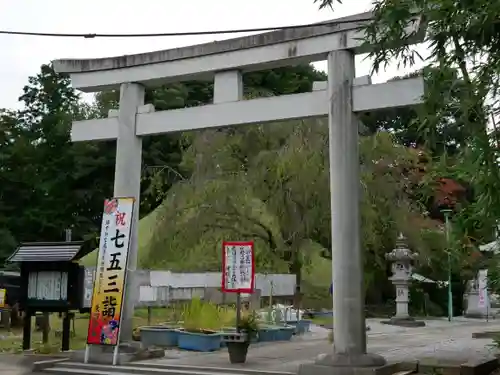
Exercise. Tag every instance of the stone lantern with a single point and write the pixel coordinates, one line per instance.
(402, 264)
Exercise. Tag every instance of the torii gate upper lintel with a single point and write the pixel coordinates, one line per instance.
(340, 98)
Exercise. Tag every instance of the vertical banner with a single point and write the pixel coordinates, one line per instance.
(238, 267)
(109, 282)
(482, 286)
(3, 298)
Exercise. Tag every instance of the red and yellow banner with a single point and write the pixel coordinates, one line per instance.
(109, 282)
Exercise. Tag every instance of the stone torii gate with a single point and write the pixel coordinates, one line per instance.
(340, 98)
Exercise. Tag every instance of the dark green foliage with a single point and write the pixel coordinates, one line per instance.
(48, 184)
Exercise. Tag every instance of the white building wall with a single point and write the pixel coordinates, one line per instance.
(158, 288)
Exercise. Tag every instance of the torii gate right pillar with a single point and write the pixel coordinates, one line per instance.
(349, 332)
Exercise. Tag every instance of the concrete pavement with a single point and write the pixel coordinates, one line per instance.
(450, 341)
(439, 339)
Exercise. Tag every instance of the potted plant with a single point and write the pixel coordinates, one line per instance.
(238, 342)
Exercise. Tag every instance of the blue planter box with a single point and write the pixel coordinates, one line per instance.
(294, 324)
(303, 326)
(159, 336)
(285, 333)
(300, 327)
(199, 342)
(268, 334)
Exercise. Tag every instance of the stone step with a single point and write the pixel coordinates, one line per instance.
(148, 368)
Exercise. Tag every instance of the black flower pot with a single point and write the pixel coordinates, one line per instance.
(237, 351)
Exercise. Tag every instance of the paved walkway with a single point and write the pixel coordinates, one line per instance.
(439, 339)
(14, 365)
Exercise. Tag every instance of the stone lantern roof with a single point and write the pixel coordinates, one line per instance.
(401, 252)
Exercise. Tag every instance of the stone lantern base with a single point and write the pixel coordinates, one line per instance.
(404, 322)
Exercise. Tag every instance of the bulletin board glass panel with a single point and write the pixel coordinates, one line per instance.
(48, 286)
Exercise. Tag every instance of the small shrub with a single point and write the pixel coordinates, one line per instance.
(249, 323)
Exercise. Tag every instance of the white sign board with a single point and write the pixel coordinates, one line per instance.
(238, 267)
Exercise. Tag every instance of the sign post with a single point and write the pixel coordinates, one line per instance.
(108, 292)
(238, 271)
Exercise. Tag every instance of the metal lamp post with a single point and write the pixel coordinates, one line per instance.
(447, 213)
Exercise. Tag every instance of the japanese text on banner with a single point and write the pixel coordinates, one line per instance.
(108, 290)
(238, 273)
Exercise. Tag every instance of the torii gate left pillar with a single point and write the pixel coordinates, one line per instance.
(127, 183)
(224, 62)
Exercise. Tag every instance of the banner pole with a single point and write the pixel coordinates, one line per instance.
(87, 353)
(124, 296)
(115, 354)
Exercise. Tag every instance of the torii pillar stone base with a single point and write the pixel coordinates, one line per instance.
(339, 364)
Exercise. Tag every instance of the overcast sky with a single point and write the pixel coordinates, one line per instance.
(22, 56)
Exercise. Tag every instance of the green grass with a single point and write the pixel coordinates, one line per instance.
(11, 342)
(322, 320)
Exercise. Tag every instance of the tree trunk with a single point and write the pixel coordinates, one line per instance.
(16, 320)
(295, 268)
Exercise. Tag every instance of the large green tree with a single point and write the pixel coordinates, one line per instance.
(49, 183)
(269, 183)
(14, 150)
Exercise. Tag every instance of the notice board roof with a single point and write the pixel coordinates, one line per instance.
(50, 252)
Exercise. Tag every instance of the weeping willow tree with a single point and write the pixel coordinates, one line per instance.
(270, 184)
